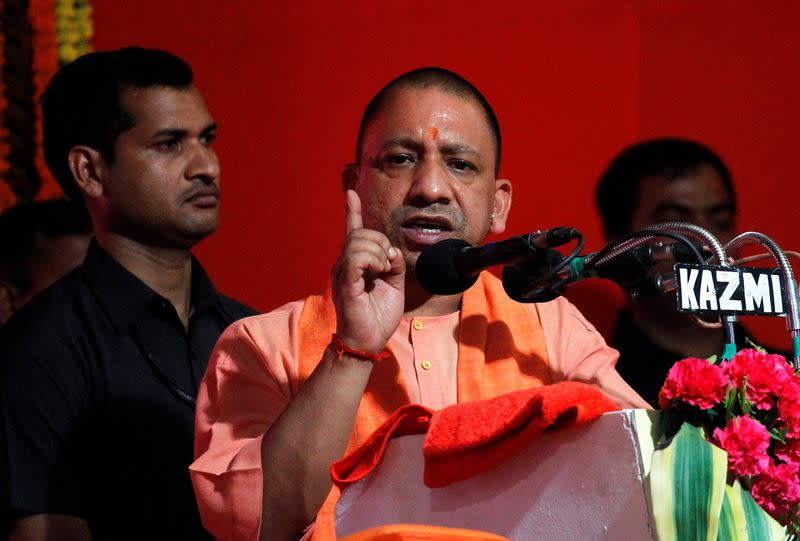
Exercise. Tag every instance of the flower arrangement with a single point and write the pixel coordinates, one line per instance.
(749, 406)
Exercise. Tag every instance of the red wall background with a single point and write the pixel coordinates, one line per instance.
(572, 84)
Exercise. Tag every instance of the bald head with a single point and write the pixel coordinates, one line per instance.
(439, 78)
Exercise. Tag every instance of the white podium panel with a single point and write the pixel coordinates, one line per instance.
(583, 483)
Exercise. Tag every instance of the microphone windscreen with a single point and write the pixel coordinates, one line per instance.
(436, 269)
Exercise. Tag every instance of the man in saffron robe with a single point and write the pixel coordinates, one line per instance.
(283, 398)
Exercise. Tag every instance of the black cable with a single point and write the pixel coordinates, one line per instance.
(179, 393)
(563, 264)
(531, 291)
(645, 233)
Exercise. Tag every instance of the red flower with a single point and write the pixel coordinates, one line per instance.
(746, 441)
(777, 490)
(765, 373)
(694, 381)
(789, 407)
(789, 451)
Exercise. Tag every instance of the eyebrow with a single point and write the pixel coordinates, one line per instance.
(721, 207)
(180, 132)
(677, 207)
(673, 207)
(446, 148)
(459, 149)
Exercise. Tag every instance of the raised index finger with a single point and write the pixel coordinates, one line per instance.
(352, 212)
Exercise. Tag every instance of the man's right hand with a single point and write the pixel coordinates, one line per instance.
(368, 282)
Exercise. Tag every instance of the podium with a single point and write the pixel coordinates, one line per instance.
(582, 483)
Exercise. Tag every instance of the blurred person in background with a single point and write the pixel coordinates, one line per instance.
(664, 180)
(39, 243)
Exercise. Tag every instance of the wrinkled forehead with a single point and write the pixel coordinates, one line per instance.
(412, 112)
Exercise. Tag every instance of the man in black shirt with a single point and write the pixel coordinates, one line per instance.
(99, 373)
(655, 181)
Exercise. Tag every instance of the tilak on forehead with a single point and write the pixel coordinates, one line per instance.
(433, 133)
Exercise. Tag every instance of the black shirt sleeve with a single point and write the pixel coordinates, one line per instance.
(44, 397)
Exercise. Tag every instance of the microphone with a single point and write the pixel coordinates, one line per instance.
(628, 270)
(452, 266)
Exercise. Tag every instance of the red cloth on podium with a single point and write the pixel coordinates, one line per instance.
(407, 420)
(467, 439)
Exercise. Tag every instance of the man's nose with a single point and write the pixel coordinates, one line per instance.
(204, 163)
(432, 182)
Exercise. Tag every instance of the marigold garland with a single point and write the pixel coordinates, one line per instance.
(5, 148)
(74, 27)
(42, 16)
(7, 195)
(60, 32)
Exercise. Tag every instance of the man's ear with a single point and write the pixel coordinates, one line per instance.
(502, 205)
(88, 168)
(349, 177)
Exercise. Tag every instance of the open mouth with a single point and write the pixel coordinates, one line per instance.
(428, 224)
(423, 230)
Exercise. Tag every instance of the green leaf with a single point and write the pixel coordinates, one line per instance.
(754, 345)
(730, 399)
(778, 434)
(743, 520)
(687, 482)
(744, 402)
(731, 523)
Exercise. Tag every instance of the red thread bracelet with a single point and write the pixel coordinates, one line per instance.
(342, 348)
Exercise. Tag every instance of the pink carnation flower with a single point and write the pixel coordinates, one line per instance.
(694, 381)
(789, 451)
(765, 373)
(777, 490)
(789, 407)
(746, 442)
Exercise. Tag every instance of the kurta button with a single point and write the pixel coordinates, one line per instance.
(427, 365)
(418, 325)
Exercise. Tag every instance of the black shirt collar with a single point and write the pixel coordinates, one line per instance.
(124, 296)
(204, 295)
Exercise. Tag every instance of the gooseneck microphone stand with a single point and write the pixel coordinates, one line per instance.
(686, 229)
(790, 285)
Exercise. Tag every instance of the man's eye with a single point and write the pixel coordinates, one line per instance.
(169, 145)
(399, 160)
(461, 165)
(208, 138)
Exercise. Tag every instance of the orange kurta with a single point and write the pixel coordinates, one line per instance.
(260, 363)
(517, 352)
